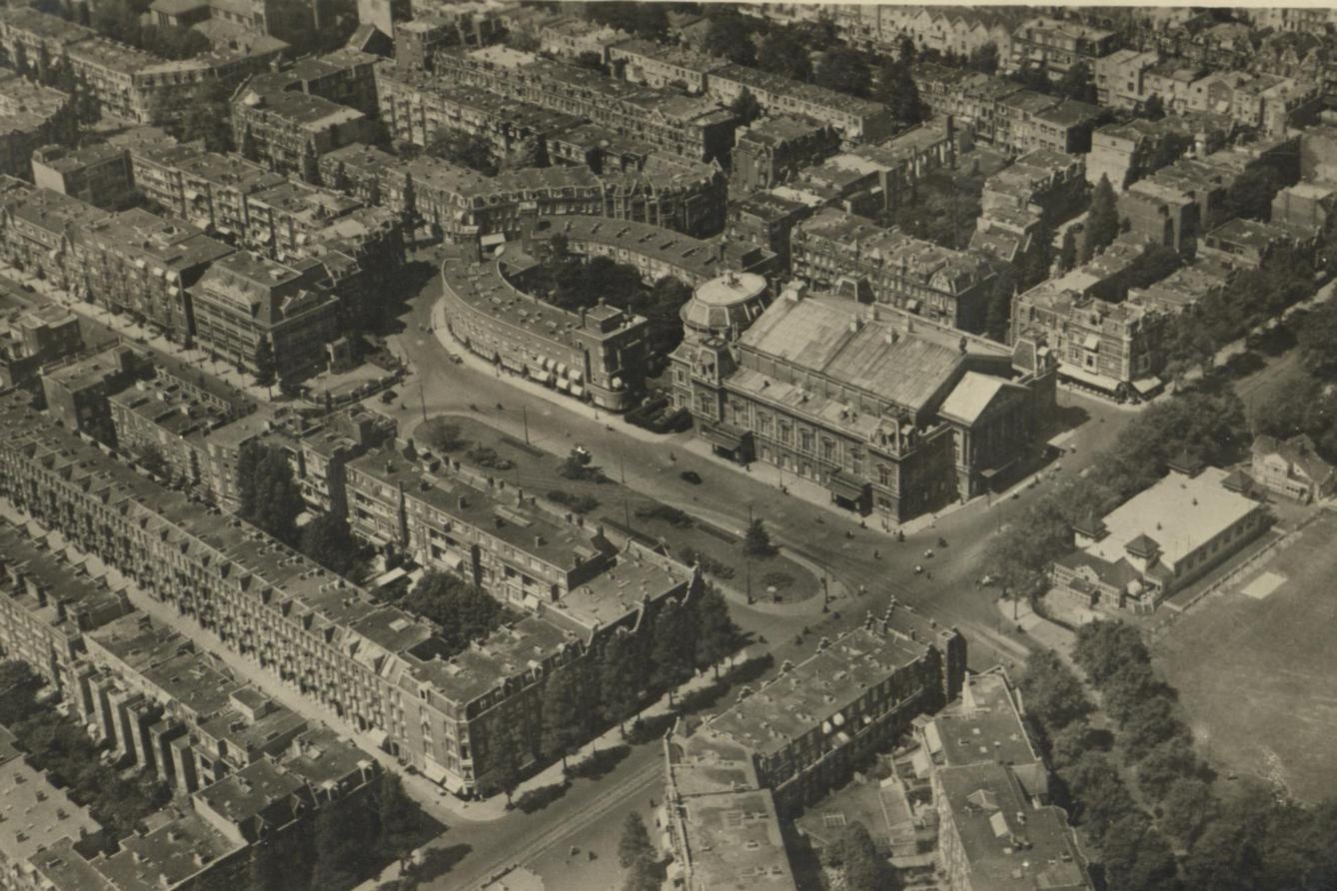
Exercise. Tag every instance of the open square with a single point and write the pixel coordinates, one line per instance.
(1253, 668)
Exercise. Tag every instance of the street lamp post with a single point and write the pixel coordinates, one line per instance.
(524, 416)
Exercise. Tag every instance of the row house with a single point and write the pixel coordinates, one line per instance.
(857, 120)
(941, 284)
(464, 206)
(1055, 46)
(806, 730)
(276, 123)
(31, 116)
(597, 354)
(663, 67)
(895, 416)
(575, 37)
(416, 108)
(32, 338)
(693, 127)
(959, 31)
(776, 149)
(134, 261)
(380, 670)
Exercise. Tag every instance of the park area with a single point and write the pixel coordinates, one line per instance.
(623, 510)
(1254, 667)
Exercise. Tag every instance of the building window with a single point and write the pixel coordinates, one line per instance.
(805, 440)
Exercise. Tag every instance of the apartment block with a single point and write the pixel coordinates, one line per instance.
(857, 120)
(31, 116)
(806, 729)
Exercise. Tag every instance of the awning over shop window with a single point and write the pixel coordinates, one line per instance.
(492, 240)
(1148, 385)
(846, 487)
(1090, 378)
(577, 390)
(724, 436)
(1092, 342)
(542, 376)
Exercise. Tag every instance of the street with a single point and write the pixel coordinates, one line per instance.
(854, 555)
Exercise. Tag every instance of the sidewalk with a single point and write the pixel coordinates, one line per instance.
(1040, 629)
(137, 334)
(439, 804)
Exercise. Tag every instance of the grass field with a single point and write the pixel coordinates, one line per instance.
(1255, 666)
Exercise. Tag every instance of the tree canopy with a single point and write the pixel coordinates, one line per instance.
(785, 53)
(1102, 220)
(730, 35)
(898, 90)
(465, 612)
(328, 540)
(267, 492)
(844, 70)
(465, 149)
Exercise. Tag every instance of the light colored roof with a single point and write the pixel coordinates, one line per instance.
(829, 336)
(1179, 513)
(971, 397)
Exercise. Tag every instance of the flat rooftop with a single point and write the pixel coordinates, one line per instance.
(816, 690)
(1178, 513)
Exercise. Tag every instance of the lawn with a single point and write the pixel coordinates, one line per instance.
(1254, 668)
(625, 511)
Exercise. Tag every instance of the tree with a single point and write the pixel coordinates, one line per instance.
(565, 721)
(863, 868)
(1136, 855)
(328, 540)
(508, 757)
(398, 819)
(1069, 744)
(757, 541)
(1067, 253)
(730, 35)
(265, 366)
(1316, 341)
(465, 149)
(717, 635)
(785, 54)
(1104, 646)
(634, 842)
(1102, 220)
(643, 876)
(1130, 685)
(267, 492)
(1102, 795)
(1187, 806)
(745, 107)
(1166, 764)
(1250, 195)
(898, 90)
(844, 70)
(984, 59)
(342, 854)
(1054, 695)
(528, 152)
(151, 458)
(464, 611)
(673, 647)
(1150, 723)
(621, 678)
(1077, 84)
(444, 435)
(905, 50)
(1153, 109)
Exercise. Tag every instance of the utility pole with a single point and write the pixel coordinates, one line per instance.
(622, 465)
(626, 513)
(524, 415)
(422, 397)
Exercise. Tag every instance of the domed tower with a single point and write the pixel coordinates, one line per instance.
(724, 307)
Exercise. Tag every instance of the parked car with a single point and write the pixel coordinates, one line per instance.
(691, 476)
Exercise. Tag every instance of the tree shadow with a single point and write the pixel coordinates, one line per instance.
(436, 862)
(649, 729)
(600, 764)
(537, 799)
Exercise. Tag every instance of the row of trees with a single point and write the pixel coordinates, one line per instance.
(607, 686)
(1187, 834)
(1251, 298)
(346, 842)
(1210, 426)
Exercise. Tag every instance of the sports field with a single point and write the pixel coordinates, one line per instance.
(1255, 667)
